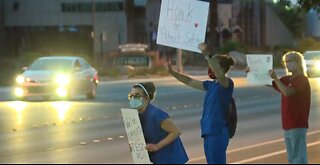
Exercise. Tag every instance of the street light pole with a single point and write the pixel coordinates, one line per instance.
(94, 29)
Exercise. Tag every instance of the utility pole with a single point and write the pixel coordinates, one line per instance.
(213, 24)
(94, 30)
(179, 60)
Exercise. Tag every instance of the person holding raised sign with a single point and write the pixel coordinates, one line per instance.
(214, 128)
(296, 100)
(161, 133)
(295, 105)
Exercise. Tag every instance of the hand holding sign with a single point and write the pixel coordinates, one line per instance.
(273, 74)
(152, 147)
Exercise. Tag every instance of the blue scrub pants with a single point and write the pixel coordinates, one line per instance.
(215, 147)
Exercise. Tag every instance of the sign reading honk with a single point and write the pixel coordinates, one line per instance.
(182, 23)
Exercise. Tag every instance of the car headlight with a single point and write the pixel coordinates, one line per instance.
(318, 65)
(19, 92)
(62, 92)
(20, 79)
(62, 80)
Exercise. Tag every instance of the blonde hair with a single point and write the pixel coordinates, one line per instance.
(299, 59)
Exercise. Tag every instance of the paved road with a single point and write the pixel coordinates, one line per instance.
(81, 131)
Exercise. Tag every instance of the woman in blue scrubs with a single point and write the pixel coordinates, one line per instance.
(214, 129)
(161, 133)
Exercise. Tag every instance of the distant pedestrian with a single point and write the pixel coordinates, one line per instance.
(214, 129)
(296, 100)
(161, 133)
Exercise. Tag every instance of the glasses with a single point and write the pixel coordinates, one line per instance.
(134, 96)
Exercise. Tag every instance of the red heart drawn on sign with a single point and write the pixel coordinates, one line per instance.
(196, 25)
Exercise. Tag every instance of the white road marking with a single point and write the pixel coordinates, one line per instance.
(258, 145)
(270, 154)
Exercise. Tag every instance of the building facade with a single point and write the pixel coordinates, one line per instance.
(87, 27)
(250, 22)
(96, 27)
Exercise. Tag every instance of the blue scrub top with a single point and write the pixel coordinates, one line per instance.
(174, 153)
(216, 103)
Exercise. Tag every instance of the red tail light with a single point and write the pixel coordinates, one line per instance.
(96, 78)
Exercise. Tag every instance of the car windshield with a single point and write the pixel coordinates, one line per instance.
(312, 55)
(51, 64)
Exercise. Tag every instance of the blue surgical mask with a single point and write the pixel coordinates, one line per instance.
(136, 103)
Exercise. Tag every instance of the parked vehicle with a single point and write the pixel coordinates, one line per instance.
(135, 55)
(57, 76)
(312, 59)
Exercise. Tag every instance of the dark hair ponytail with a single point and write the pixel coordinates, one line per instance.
(150, 88)
(225, 62)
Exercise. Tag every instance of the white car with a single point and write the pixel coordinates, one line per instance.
(57, 76)
(312, 59)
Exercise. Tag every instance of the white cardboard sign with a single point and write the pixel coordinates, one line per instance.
(135, 136)
(182, 23)
(259, 65)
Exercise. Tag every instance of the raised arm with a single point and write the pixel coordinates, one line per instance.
(184, 78)
(214, 65)
(287, 91)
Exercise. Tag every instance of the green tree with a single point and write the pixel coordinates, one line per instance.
(308, 5)
(291, 16)
(303, 5)
(232, 46)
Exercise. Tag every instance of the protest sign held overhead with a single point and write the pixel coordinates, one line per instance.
(182, 23)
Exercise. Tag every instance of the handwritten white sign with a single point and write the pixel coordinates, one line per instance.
(182, 23)
(259, 65)
(135, 136)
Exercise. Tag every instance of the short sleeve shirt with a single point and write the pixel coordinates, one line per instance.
(295, 109)
(216, 103)
(151, 120)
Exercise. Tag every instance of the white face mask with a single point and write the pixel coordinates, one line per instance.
(292, 66)
(136, 103)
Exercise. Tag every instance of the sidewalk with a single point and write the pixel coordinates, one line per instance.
(189, 70)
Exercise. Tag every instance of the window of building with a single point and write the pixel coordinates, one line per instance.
(87, 7)
(15, 6)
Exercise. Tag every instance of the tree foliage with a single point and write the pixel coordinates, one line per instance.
(291, 16)
(232, 46)
(304, 5)
(308, 5)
